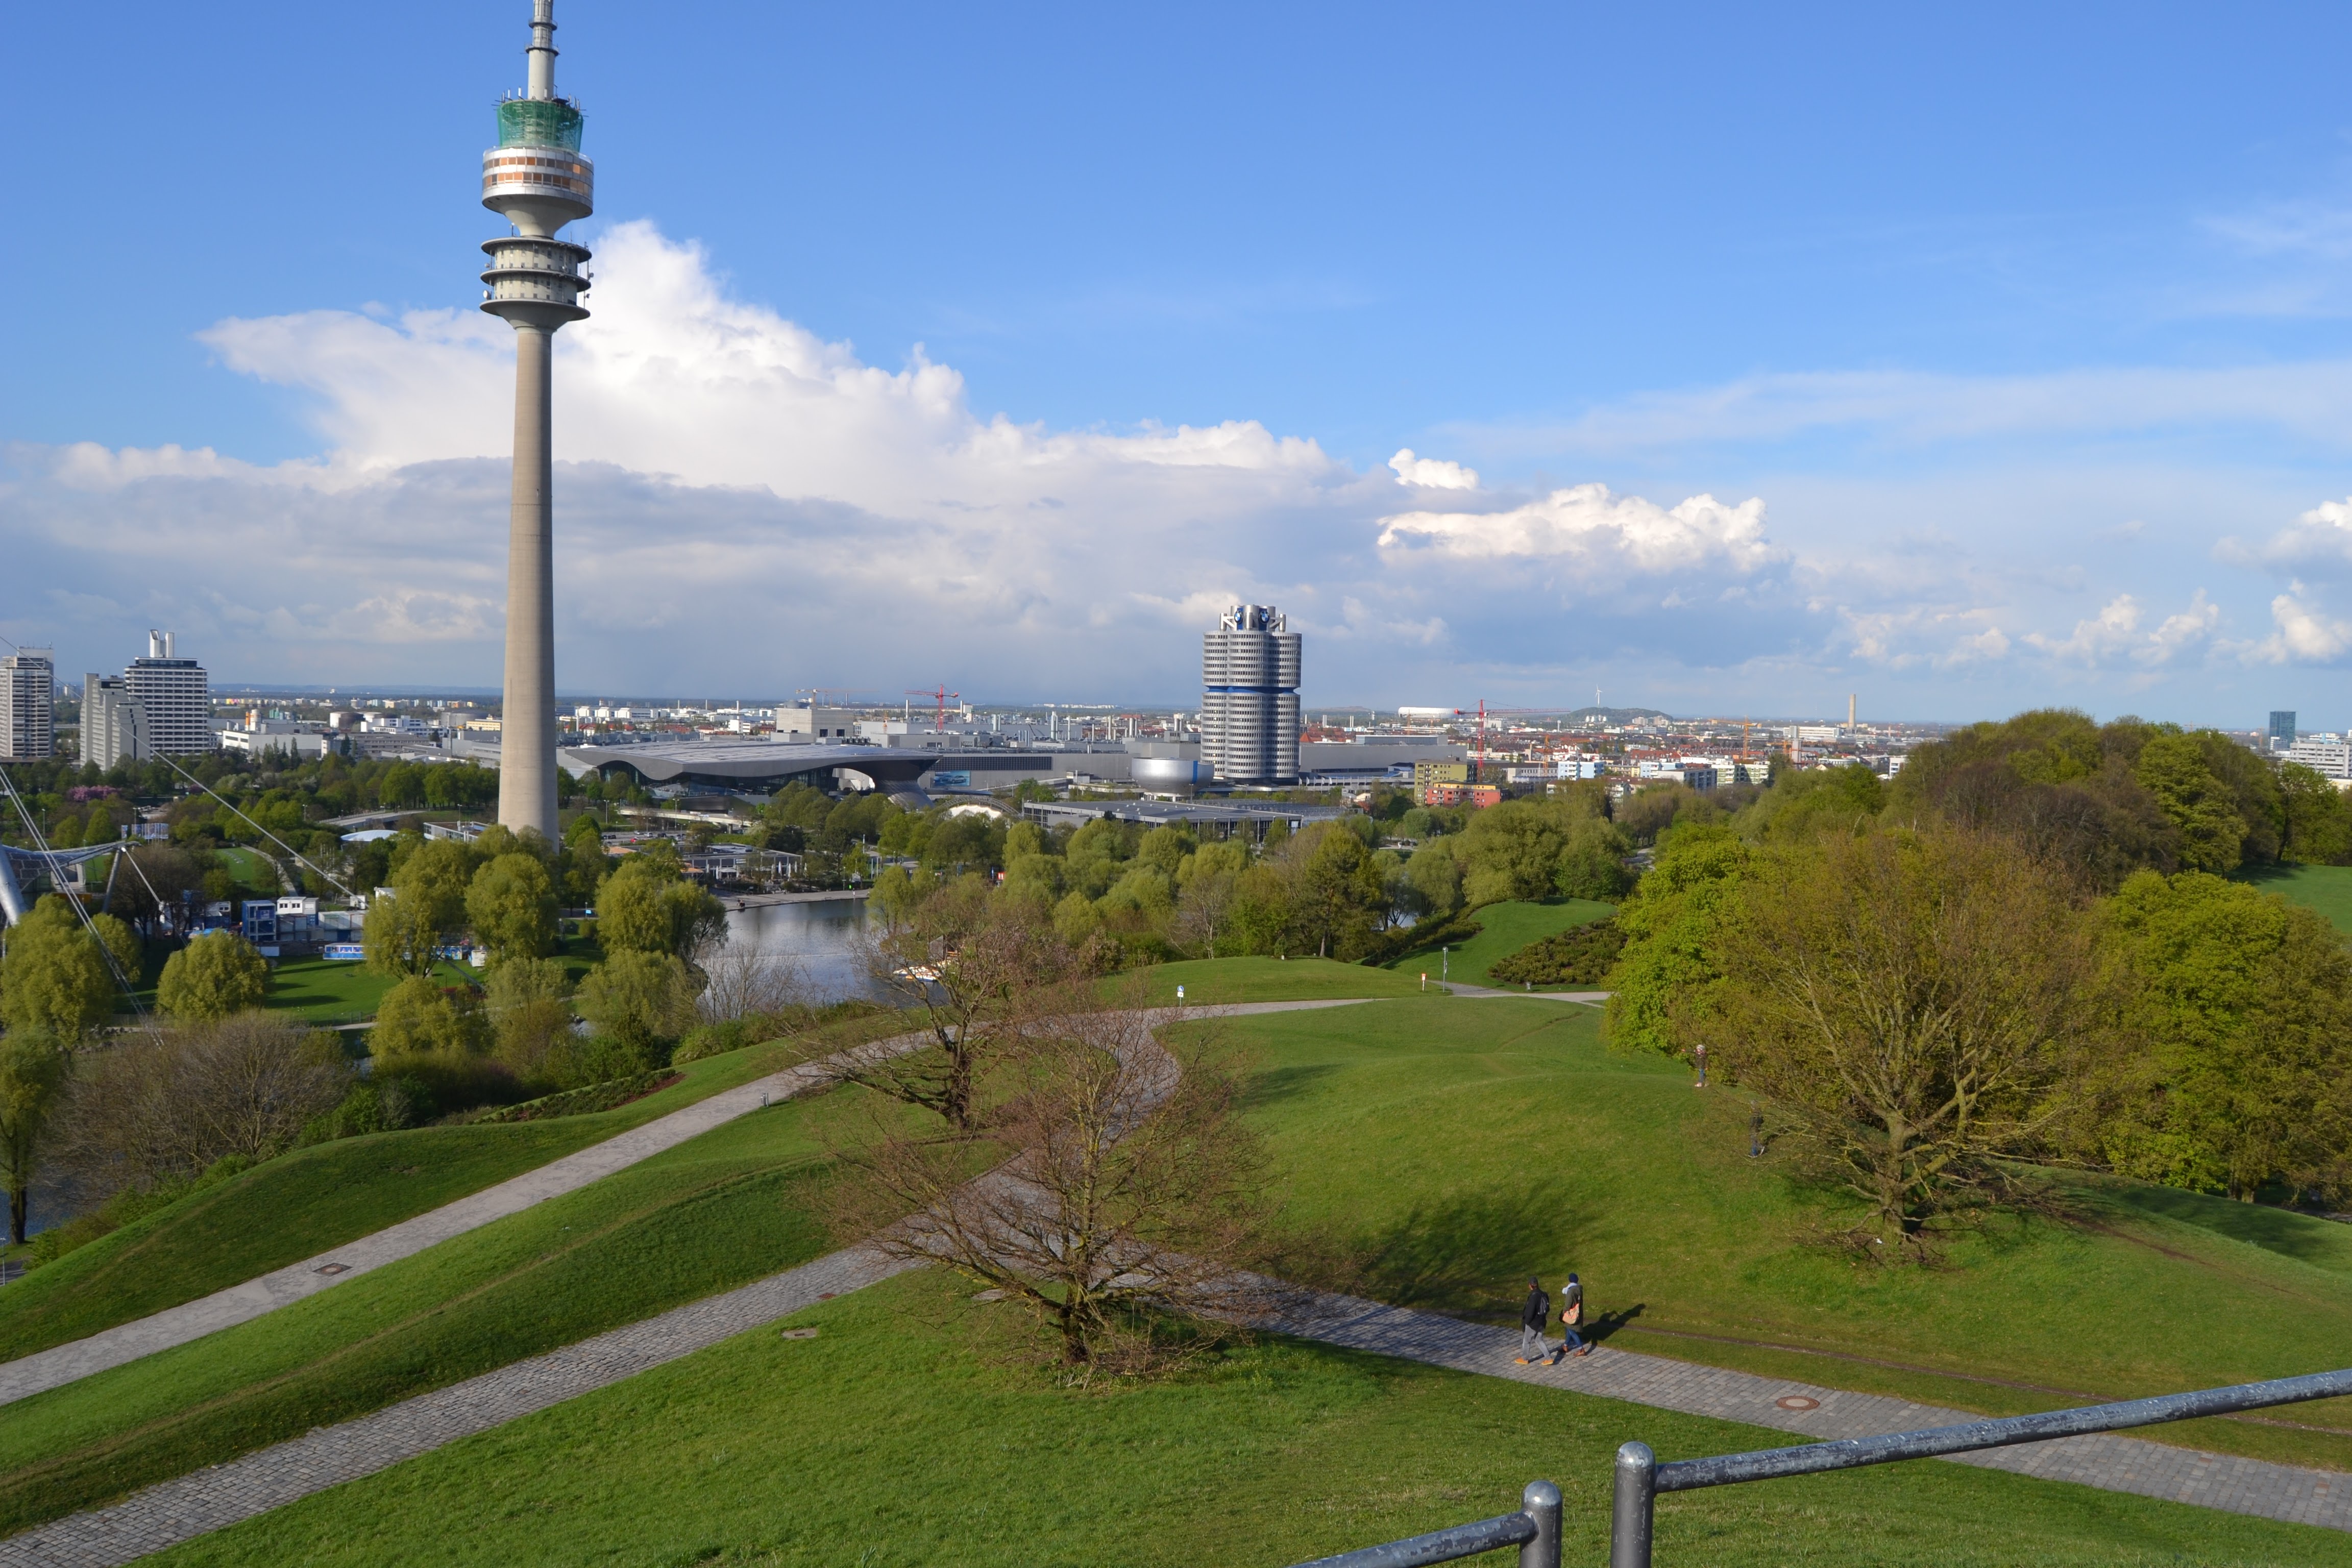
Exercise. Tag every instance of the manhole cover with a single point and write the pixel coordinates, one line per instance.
(1797, 1402)
(798, 1335)
(334, 1269)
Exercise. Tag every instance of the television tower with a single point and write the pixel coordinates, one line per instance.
(536, 179)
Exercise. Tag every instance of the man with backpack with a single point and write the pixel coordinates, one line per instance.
(1533, 1318)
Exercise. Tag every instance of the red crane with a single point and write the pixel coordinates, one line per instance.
(941, 694)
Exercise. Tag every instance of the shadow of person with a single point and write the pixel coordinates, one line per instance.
(1596, 1329)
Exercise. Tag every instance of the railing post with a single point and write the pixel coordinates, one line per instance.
(1629, 1521)
(1540, 1503)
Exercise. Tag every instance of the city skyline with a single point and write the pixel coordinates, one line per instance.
(1958, 389)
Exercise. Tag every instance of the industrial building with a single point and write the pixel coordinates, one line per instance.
(1249, 698)
(175, 696)
(113, 723)
(28, 684)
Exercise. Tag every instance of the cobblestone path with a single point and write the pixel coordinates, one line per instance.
(2110, 1463)
(224, 1495)
(242, 1303)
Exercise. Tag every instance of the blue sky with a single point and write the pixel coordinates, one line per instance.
(995, 346)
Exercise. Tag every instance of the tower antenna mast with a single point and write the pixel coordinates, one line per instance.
(537, 179)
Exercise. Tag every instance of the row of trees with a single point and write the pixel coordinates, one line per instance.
(1332, 890)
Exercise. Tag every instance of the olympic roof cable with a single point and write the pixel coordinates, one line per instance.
(290, 849)
(105, 953)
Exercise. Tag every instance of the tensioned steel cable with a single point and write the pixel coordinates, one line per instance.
(290, 849)
(25, 815)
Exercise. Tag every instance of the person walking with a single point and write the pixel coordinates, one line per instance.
(1533, 1318)
(1571, 1318)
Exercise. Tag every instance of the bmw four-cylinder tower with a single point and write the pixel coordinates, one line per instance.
(537, 180)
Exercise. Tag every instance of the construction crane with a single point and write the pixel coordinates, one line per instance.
(941, 694)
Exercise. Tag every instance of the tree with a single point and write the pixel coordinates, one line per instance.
(400, 936)
(641, 1001)
(55, 977)
(1917, 1006)
(511, 903)
(1340, 897)
(2240, 1015)
(1434, 875)
(2318, 820)
(1133, 1190)
(217, 974)
(33, 1068)
(645, 907)
(157, 1110)
(420, 1018)
(1670, 962)
(972, 965)
(1206, 880)
(531, 1012)
(2173, 769)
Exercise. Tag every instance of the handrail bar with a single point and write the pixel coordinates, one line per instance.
(1534, 1530)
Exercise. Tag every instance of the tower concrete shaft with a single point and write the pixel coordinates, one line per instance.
(536, 178)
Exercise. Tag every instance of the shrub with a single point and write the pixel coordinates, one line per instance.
(216, 975)
(1580, 956)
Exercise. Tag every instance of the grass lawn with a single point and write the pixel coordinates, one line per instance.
(328, 991)
(1436, 1156)
(726, 1208)
(247, 868)
(1504, 928)
(2327, 888)
(894, 1438)
(305, 1202)
(1267, 980)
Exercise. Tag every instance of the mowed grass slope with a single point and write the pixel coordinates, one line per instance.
(1444, 1153)
(1264, 980)
(898, 1437)
(305, 1202)
(2326, 888)
(1502, 930)
(726, 1208)
(319, 991)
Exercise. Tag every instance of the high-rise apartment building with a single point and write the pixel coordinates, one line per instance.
(113, 723)
(28, 684)
(176, 696)
(2281, 729)
(1249, 698)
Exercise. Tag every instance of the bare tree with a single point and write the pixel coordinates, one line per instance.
(744, 982)
(161, 1110)
(1917, 1006)
(1133, 1190)
(972, 968)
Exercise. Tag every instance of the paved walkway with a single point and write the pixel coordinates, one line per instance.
(228, 1494)
(2107, 1462)
(242, 1303)
(224, 1495)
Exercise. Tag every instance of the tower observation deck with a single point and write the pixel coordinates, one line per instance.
(538, 180)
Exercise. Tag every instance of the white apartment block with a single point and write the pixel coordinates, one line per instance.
(177, 696)
(113, 723)
(28, 680)
(2323, 757)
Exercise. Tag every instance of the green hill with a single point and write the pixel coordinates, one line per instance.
(895, 1438)
(1435, 1157)
(1504, 928)
(305, 1202)
(1430, 1154)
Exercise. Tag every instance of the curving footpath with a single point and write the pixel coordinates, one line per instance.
(174, 1512)
(242, 1303)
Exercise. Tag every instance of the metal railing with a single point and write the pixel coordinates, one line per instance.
(1535, 1528)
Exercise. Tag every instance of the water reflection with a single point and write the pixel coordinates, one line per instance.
(819, 936)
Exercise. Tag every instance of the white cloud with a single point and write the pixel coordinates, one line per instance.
(2303, 633)
(2113, 633)
(1611, 536)
(1429, 473)
(2318, 541)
